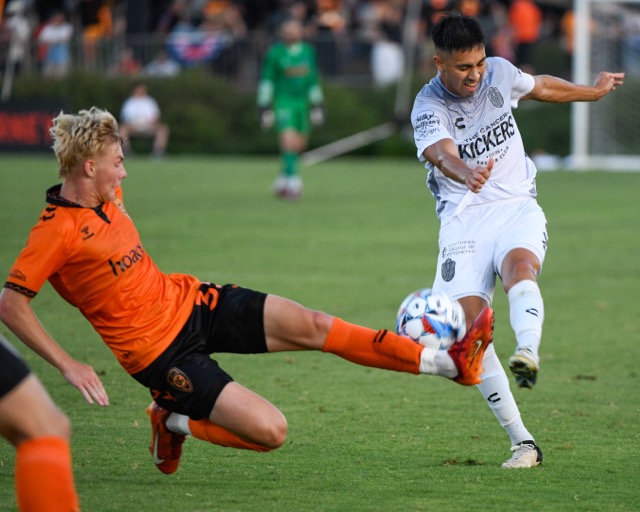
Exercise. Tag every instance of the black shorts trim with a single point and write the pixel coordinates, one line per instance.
(13, 370)
(184, 378)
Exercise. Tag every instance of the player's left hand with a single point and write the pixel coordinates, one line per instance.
(267, 118)
(606, 81)
(317, 115)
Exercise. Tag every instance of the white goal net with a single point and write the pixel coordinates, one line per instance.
(606, 133)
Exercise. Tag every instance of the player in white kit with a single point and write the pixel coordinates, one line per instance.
(485, 191)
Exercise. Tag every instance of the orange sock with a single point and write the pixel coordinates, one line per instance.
(44, 478)
(208, 431)
(378, 349)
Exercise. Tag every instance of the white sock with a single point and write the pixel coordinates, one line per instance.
(437, 362)
(526, 312)
(495, 389)
(178, 423)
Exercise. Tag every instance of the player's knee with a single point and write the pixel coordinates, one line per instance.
(57, 424)
(320, 324)
(274, 434)
(520, 270)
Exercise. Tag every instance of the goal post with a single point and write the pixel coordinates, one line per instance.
(606, 134)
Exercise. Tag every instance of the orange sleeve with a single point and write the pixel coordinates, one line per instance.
(45, 252)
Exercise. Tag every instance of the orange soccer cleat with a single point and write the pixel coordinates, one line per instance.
(166, 446)
(467, 353)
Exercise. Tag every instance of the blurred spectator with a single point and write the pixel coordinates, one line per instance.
(330, 23)
(525, 18)
(177, 12)
(433, 10)
(54, 38)
(162, 65)
(97, 23)
(223, 20)
(387, 53)
(140, 117)
(16, 30)
(126, 65)
(502, 43)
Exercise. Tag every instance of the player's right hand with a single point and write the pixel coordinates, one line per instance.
(267, 118)
(84, 378)
(478, 176)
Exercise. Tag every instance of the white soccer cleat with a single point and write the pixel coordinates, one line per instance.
(525, 455)
(524, 366)
(294, 188)
(280, 186)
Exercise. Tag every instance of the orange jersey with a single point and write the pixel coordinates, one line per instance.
(94, 259)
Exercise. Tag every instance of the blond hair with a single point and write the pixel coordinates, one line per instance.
(82, 136)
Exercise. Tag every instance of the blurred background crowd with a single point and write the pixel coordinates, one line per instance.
(359, 42)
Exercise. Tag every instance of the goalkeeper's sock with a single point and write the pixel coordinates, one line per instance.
(378, 349)
(290, 163)
(215, 434)
(526, 312)
(44, 476)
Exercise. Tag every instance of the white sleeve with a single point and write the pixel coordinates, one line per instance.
(429, 126)
(522, 85)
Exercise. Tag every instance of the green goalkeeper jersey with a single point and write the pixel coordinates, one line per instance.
(290, 76)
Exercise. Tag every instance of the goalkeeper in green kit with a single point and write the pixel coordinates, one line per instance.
(290, 96)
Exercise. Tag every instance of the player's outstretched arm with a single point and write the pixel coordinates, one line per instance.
(16, 313)
(557, 90)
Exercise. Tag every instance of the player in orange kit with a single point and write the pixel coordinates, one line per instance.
(40, 432)
(164, 327)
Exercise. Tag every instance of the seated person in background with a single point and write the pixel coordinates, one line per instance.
(140, 116)
(126, 64)
(162, 65)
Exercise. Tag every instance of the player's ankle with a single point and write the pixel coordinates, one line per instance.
(437, 362)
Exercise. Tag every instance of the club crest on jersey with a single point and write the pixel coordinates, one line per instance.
(495, 97)
(178, 379)
(448, 270)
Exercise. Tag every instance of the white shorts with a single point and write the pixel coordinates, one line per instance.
(474, 244)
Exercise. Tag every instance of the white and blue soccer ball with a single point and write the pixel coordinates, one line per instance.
(434, 320)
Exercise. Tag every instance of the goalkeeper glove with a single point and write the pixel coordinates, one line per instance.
(267, 118)
(317, 115)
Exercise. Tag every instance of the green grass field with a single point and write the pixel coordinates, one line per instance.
(364, 236)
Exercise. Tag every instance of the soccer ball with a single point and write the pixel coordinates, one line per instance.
(434, 320)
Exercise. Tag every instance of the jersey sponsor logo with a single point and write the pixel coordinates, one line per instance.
(179, 380)
(426, 124)
(294, 71)
(489, 138)
(448, 270)
(127, 261)
(495, 97)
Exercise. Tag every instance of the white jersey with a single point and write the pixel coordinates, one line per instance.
(140, 111)
(482, 126)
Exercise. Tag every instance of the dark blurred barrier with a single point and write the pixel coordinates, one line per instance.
(24, 125)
